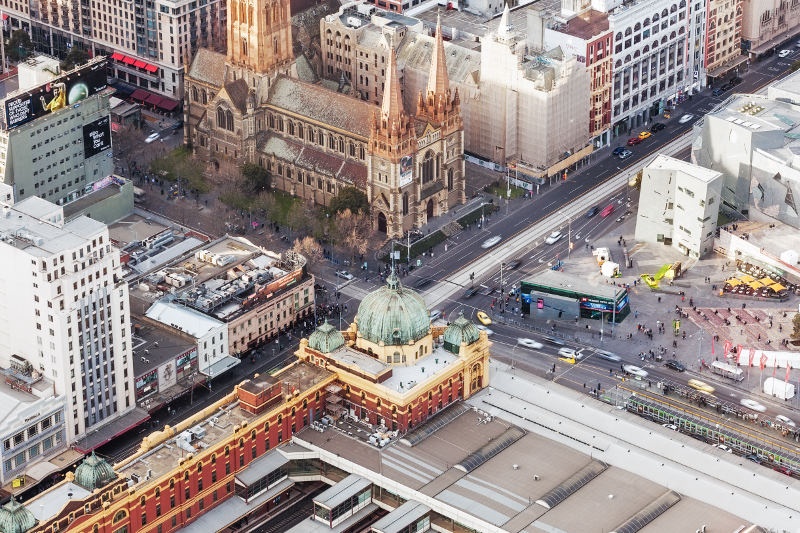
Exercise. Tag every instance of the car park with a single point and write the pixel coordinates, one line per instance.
(675, 365)
(152, 138)
(685, 118)
(658, 126)
(608, 356)
(785, 420)
(635, 371)
(784, 53)
(491, 241)
(592, 211)
(634, 140)
(625, 154)
(483, 318)
(723, 447)
(469, 293)
(344, 274)
(752, 404)
(529, 343)
(618, 150)
(488, 331)
(644, 134)
(553, 237)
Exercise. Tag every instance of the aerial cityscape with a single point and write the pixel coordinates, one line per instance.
(400, 266)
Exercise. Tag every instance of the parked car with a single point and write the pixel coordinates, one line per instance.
(723, 447)
(152, 138)
(344, 274)
(753, 457)
(436, 314)
(491, 241)
(634, 140)
(592, 212)
(645, 134)
(752, 404)
(483, 318)
(618, 150)
(553, 237)
(685, 118)
(625, 154)
(719, 90)
(658, 126)
(675, 365)
(784, 53)
(735, 81)
(635, 371)
(529, 343)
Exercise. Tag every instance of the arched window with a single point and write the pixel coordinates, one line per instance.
(291, 128)
(628, 31)
(428, 172)
(204, 97)
(311, 135)
(450, 174)
(405, 203)
(194, 94)
(637, 27)
(341, 145)
(120, 516)
(172, 483)
(228, 120)
(220, 117)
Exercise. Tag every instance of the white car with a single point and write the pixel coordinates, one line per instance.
(785, 420)
(673, 427)
(491, 241)
(608, 356)
(436, 314)
(152, 138)
(553, 238)
(529, 343)
(784, 53)
(722, 447)
(752, 404)
(635, 370)
(488, 331)
(685, 118)
(344, 274)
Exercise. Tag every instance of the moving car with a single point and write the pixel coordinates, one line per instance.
(685, 118)
(735, 81)
(553, 340)
(469, 293)
(702, 386)
(529, 343)
(344, 274)
(592, 212)
(607, 210)
(785, 420)
(424, 282)
(625, 154)
(656, 127)
(152, 138)
(635, 371)
(618, 150)
(634, 140)
(436, 314)
(513, 265)
(722, 447)
(491, 241)
(488, 331)
(608, 356)
(675, 365)
(645, 134)
(483, 318)
(784, 53)
(720, 90)
(553, 237)
(752, 404)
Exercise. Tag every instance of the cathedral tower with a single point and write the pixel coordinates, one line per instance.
(259, 34)
(437, 104)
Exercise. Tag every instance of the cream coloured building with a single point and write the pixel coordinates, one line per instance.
(723, 37)
(767, 23)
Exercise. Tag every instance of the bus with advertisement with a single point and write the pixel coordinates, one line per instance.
(727, 370)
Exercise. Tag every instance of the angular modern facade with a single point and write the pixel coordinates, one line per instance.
(682, 206)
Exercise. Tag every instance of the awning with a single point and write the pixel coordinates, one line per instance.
(150, 68)
(153, 99)
(777, 287)
(116, 56)
(39, 471)
(115, 428)
(220, 367)
(140, 95)
(724, 69)
(766, 280)
(733, 282)
(168, 104)
(128, 60)
(139, 63)
(747, 278)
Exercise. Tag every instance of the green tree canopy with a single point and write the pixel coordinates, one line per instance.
(350, 198)
(256, 177)
(19, 45)
(796, 326)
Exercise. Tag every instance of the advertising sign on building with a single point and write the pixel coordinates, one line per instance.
(56, 94)
(96, 137)
(147, 384)
(167, 377)
(406, 170)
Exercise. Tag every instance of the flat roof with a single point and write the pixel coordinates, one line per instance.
(183, 318)
(402, 517)
(49, 503)
(262, 467)
(666, 162)
(154, 345)
(560, 280)
(586, 25)
(350, 486)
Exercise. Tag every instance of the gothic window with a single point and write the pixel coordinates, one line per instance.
(352, 149)
(244, 47)
(275, 45)
(450, 179)
(311, 135)
(361, 153)
(300, 131)
(271, 120)
(427, 167)
(341, 145)
(280, 123)
(229, 120)
(331, 142)
(291, 128)
(405, 203)
(320, 138)
(194, 94)
(205, 97)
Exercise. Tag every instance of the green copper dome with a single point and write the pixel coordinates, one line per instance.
(15, 518)
(94, 472)
(393, 315)
(460, 331)
(325, 339)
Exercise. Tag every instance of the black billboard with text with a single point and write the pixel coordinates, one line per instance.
(56, 94)
(96, 137)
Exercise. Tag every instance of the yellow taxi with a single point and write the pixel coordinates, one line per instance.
(644, 135)
(483, 318)
(702, 386)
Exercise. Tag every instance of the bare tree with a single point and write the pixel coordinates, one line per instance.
(354, 232)
(309, 248)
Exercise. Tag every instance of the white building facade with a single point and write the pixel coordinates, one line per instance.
(65, 311)
(680, 204)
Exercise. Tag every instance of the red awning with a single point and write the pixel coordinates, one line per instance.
(128, 60)
(150, 68)
(168, 104)
(116, 56)
(140, 95)
(139, 63)
(153, 99)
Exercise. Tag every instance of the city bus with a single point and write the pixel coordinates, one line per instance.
(729, 371)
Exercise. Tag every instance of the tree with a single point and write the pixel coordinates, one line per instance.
(76, 57)
(179, 165)
(19, 45)
(353, 232)
(256, 177)
(796, 327)
(309, 248)
(351, 199)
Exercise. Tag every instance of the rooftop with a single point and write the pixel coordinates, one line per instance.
(154, 345)
(52, 501)
(586, 25)
(759, 113)
(183, 318)
(205, 428)
(556, 279)
(665, 162)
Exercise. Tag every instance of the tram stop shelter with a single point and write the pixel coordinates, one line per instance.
(552, 294)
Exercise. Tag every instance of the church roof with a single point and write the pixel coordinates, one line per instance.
(237, 91)
(208, 66)
(316, 103)
(308, 157)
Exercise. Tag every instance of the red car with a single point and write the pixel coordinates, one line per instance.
(634, 140)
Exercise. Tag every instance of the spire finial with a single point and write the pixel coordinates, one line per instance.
(392, 106)
(438, 82)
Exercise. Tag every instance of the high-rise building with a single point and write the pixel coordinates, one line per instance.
(723, 37)
(64, 310)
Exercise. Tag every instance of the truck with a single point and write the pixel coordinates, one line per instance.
(778, 388)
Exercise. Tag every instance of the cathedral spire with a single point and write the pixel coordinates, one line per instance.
(504, 29)
(438, 82)
(392, 106)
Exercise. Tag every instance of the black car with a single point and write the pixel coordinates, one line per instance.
(658, 126)
(720, 90)
(592, 212)
(735, 81)
(753, 457)
(424, 282)
(469, 293)
(675, 365)
(513, 265)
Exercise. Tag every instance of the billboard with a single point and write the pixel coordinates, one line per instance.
(96, 137)
(55, 94)
(167, 377)
(406, 168)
